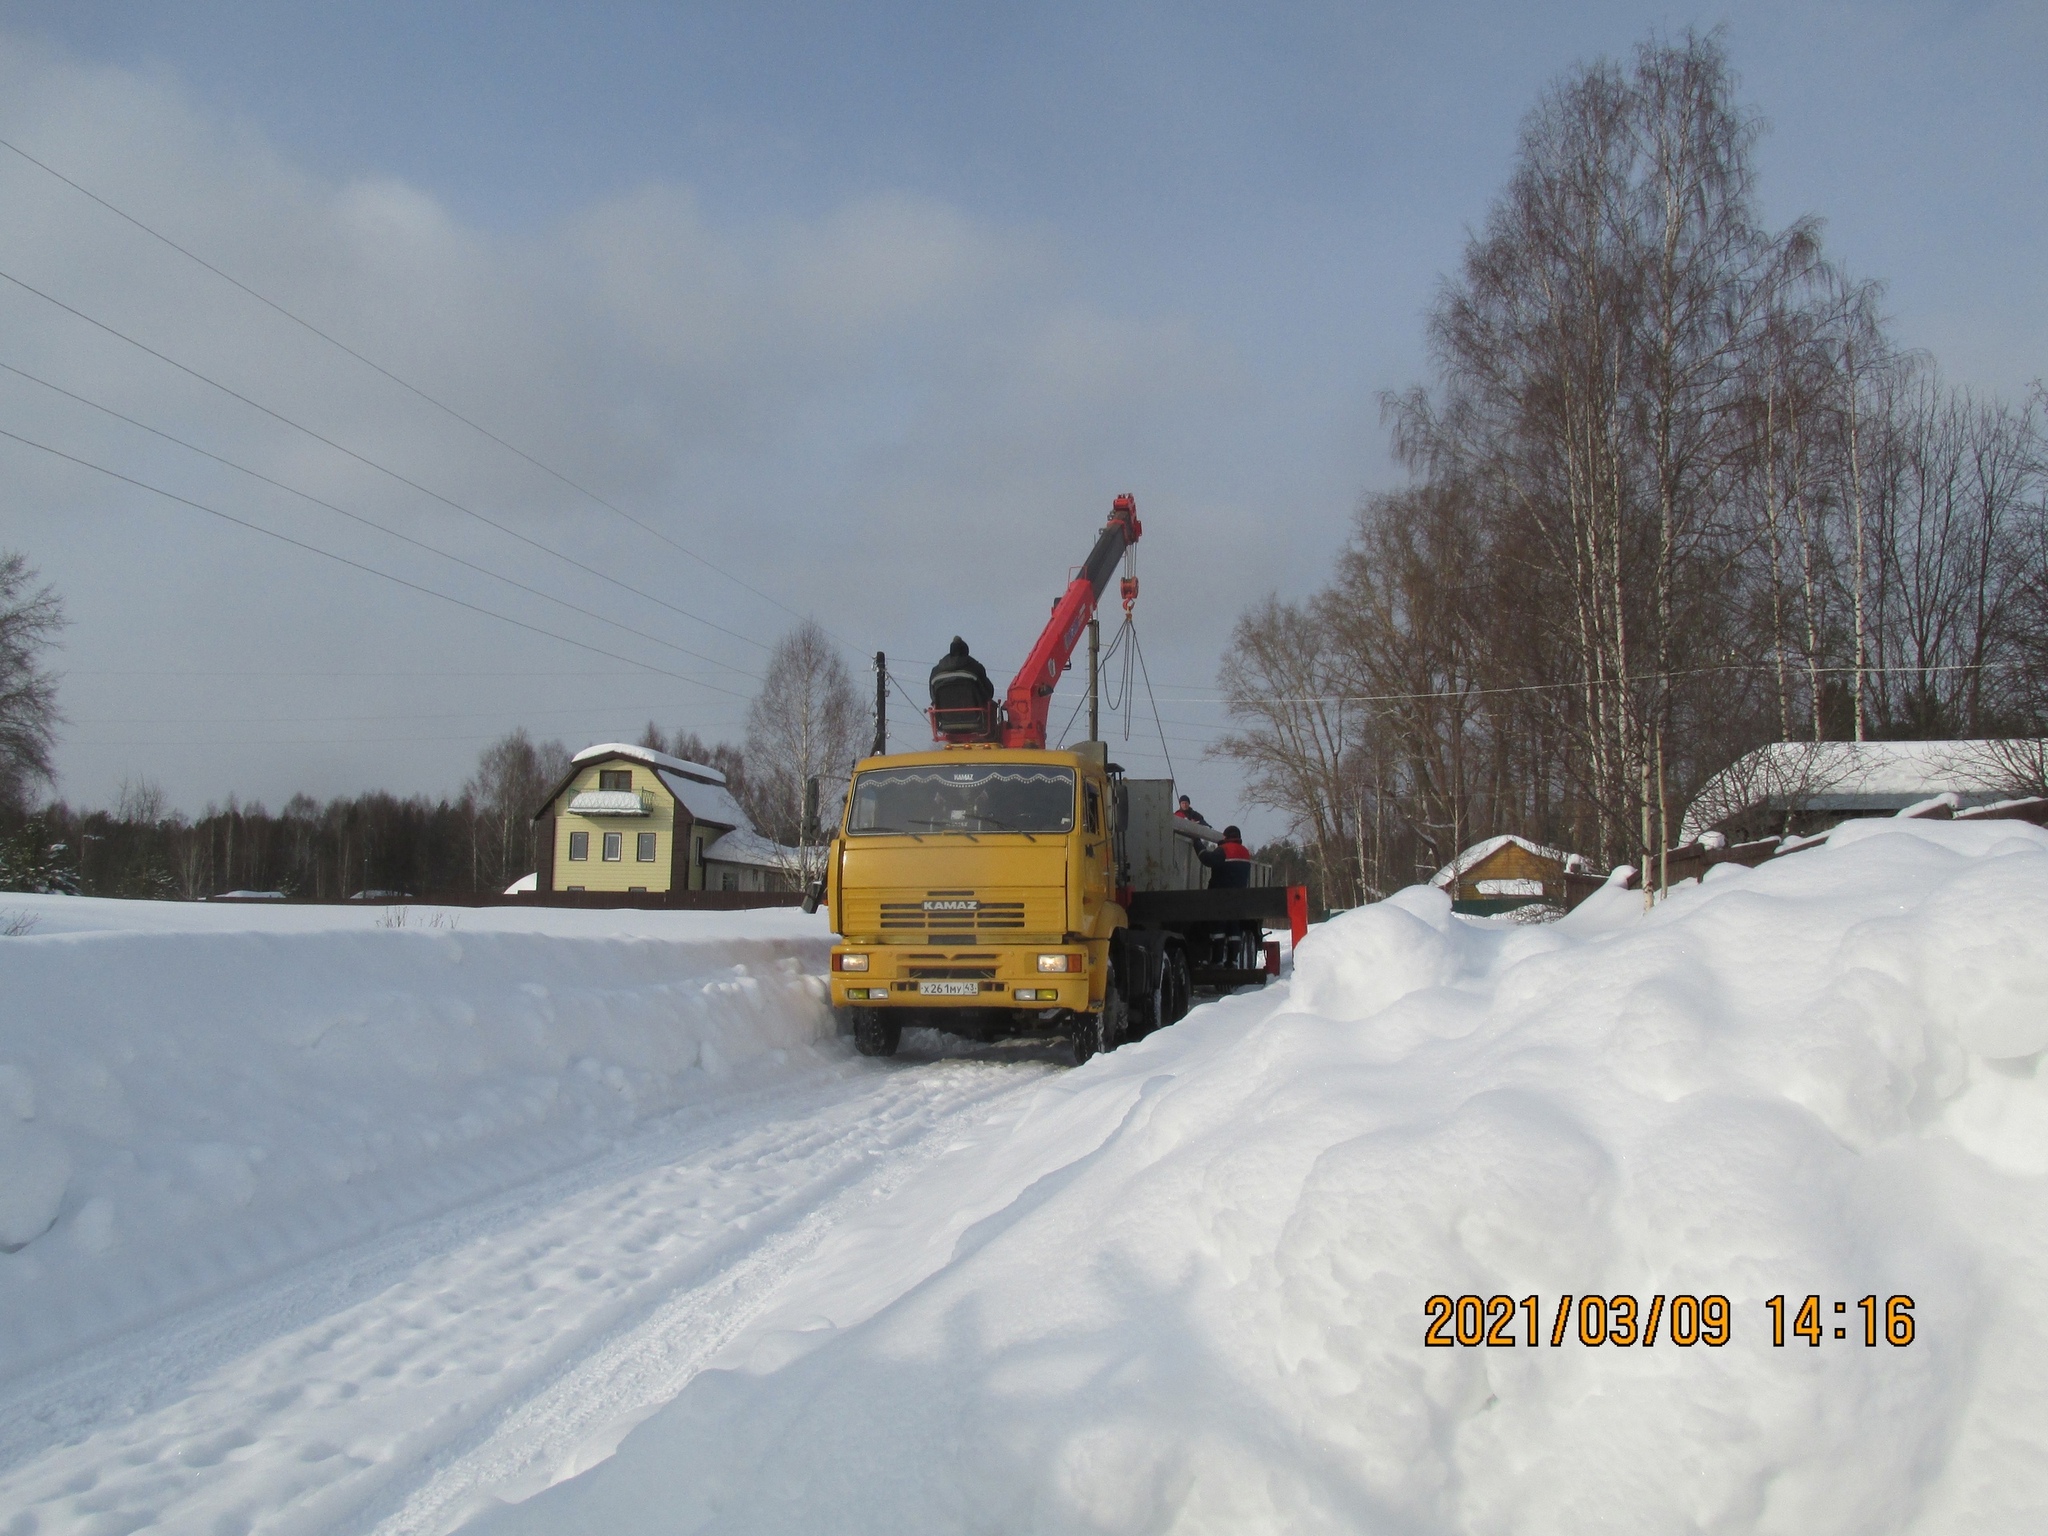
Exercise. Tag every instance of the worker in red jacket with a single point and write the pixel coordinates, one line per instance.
(1230, 863)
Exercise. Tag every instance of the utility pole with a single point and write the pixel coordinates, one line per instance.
(881, 704)
(1094, 679)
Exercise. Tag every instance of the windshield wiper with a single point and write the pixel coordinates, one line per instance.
(1004, 826)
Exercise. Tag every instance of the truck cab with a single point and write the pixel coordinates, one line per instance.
(992, 887)
(974, 889)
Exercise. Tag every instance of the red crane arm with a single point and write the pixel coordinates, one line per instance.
(1030, 696)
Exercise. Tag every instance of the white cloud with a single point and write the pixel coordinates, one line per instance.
(891, 414)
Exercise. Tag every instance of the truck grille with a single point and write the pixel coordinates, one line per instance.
(956, 917)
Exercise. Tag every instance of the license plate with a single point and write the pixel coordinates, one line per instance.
(948, 988)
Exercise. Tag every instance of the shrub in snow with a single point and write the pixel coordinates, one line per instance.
(34, 1173)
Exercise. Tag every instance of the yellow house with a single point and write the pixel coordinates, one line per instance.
(627, 818)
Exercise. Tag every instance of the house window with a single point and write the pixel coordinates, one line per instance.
(636, 890)
(643, 848)
(614, 778)
(575, 887)
(614, 847)
(579, 845)
(728, 881)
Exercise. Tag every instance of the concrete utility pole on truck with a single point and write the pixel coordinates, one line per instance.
(992, 887)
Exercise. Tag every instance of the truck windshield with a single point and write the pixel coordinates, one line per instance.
(978, 797)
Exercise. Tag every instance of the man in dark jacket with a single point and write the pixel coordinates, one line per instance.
(1187, 812)
(1230, 864)
(957, 663)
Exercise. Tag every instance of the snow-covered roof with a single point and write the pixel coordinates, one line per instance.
(700, 790)
(610, 802)
(523, 885)
(750, 848)
(711, 803)
(651, 758)
(1486, 850)
(1851, 776)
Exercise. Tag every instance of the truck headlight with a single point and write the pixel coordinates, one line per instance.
(849, 962)
(1053, 962)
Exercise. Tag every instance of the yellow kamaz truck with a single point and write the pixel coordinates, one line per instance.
(991, 887)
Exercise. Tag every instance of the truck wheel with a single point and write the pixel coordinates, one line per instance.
(1103, 1031)
(874, 1035)
(1179, 985)
(1149, 1011)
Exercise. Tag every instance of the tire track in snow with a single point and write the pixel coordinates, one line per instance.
(579, 1419)
(500, 1361)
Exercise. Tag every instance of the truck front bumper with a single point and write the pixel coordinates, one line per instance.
(994, 977)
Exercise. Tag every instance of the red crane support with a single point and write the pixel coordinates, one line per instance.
(1030, 696)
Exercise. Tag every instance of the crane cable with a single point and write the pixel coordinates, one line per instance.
(1146, 672)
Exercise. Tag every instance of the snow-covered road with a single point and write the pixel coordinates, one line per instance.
(488, 1351)
(595, 1228)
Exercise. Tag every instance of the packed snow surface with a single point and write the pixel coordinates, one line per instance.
(191, 1093)
(1182, 1288)
(1186, 1288)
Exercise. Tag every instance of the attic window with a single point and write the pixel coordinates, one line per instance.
(614, 778)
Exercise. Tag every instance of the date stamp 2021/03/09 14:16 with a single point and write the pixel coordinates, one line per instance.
(1504, 1322)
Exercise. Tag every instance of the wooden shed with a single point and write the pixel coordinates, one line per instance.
(1501, 874)
(627, 818)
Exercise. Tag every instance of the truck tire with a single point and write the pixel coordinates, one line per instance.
(1102, 1032)
(874, 1034)
(1179, 985)
(1150, 1009)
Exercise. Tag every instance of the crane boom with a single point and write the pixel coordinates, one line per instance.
(1030, 696)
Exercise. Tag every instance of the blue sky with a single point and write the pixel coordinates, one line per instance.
(878, 306)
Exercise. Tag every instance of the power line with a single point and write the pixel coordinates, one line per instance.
(357, 565)
(509, 581)
(1797, 669)
(481, 714)
(203, 672)
(372, 463)
(405, 384)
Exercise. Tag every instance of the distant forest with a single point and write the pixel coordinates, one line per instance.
(479, 840)
(807, 721)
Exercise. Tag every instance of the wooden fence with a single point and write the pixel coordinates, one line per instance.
(1694, 860)
(651, 901)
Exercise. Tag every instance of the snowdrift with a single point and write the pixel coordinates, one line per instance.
(191, 1094)
(1187, 1290)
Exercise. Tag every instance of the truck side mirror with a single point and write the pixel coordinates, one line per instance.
(811, 809)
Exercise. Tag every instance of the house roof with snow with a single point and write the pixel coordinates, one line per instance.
(1849, 778)
(652, 759)
(700, 790)
(748, 847)
(1479, 853)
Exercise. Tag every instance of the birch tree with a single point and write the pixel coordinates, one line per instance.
(807, 722)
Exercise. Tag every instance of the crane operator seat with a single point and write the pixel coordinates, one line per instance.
(963, 699)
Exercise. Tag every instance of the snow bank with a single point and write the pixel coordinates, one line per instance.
(1187, 1289)
(190, 1094)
